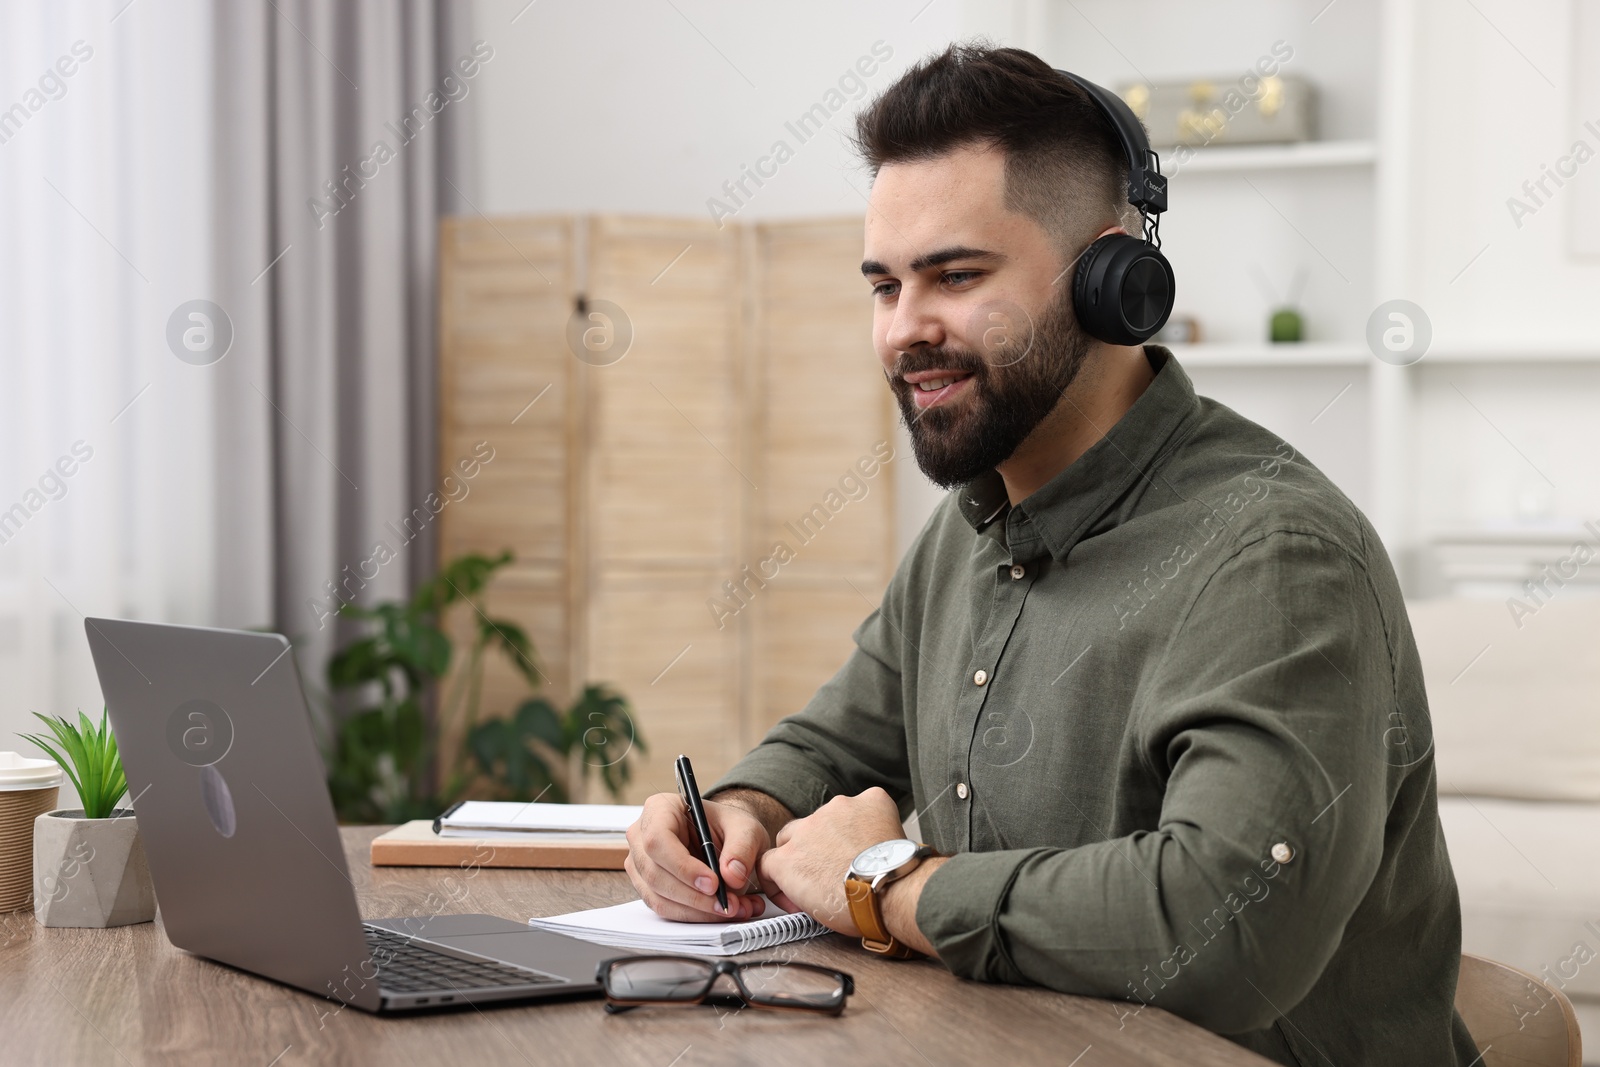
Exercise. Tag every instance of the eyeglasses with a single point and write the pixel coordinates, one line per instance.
(633, 981)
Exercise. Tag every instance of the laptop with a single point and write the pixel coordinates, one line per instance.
(244, 849)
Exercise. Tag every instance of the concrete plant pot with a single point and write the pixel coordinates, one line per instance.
(90, 872)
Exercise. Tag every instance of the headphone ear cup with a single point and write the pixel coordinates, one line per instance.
(1123, 289)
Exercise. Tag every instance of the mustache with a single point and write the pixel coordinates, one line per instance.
(937, 359)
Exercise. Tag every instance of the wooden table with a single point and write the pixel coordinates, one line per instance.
(126, 996)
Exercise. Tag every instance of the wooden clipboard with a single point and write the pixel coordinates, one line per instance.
(414, 844)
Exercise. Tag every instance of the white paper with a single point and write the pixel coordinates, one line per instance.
(511, 817)
(634, 925)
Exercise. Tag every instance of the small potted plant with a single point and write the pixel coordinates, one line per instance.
(89, 867)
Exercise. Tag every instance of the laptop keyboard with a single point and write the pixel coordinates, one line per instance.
(406, 965)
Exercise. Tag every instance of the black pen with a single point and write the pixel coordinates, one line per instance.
(702, 828)
(438, 823)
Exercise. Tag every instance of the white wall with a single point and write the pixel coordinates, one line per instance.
(1499, 92)
(634, 107)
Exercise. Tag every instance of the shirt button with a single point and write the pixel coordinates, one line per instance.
(980, 677)
(1017, 571)
(961, 790)
(1282, 852)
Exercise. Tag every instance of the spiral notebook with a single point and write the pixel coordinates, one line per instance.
(633, 925)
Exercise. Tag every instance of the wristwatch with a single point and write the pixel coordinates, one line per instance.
(869, 873)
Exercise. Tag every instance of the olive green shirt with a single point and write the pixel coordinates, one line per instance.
(1168, 715)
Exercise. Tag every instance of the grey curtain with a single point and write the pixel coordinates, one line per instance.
(338, 129)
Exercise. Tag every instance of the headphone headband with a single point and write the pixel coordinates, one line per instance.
(1123, 287)
(1147, 186)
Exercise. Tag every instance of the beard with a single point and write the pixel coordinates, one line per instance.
(1006, 398)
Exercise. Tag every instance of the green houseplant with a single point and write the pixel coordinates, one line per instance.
(89, 866)
(386, 763)
(88, 755)
(595, 733)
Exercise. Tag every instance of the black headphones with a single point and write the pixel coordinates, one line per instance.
(1123, 288)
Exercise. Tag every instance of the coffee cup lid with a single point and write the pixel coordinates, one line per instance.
(17, 772)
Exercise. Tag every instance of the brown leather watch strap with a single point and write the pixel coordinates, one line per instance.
(868, 915)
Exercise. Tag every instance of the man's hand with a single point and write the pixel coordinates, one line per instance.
(805, 872)
(667, 870)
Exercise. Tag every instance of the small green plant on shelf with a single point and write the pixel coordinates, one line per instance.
(88, 755)
(386, 762)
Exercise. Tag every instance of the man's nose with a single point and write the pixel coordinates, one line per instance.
(916, 322)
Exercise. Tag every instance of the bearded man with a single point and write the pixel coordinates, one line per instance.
(1145, 678)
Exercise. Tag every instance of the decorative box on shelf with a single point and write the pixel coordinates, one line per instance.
(1202, 111)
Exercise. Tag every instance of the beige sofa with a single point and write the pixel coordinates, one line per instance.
(1516, 718)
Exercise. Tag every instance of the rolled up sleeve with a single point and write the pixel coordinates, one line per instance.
(849, 737)
(1263, 722)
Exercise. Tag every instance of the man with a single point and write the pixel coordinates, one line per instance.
(1145, 677)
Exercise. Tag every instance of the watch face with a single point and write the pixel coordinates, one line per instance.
(885, 856)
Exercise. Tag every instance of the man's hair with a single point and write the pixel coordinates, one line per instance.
(1065, 167)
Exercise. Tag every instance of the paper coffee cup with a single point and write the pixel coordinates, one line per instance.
(28, 789)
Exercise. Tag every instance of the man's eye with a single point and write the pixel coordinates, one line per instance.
(885, 289)
(956, 277)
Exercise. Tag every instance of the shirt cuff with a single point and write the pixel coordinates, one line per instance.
(959, 913)
(784, 775)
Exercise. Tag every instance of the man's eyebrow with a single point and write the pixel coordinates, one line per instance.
(870, 267)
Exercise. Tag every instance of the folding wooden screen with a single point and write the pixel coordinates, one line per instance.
(700, 520)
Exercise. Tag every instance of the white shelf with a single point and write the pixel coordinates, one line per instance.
(1351, 354)
(1533, 352)
(1234, 159)
(1553, 531)
(1292, 355)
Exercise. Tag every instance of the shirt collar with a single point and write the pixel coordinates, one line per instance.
(1055, 516)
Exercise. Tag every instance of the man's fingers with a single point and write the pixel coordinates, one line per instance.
(662, 836)
(669, 877)
(743, 841)
(662, 814)
(784, 902)
(671, 909)
(771, 872)
(665, 887)
(773, 864)
(664, 881)
(649, 876)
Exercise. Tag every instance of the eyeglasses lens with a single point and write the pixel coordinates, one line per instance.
(792, 985)
(648, 979)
